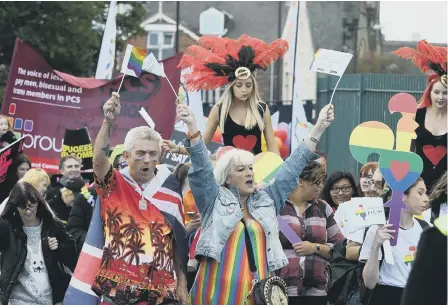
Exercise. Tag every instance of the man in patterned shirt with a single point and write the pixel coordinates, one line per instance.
(145, 254)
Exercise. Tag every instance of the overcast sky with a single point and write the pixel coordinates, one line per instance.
(401, 19)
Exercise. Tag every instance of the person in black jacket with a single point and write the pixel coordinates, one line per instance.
(70, 167)
(19, 166)
(82, 210)
(37, 251)
(81, 214)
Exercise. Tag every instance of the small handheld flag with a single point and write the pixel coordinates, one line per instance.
(135, 60)
(153, 66)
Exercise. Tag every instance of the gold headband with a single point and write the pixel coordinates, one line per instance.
(444, 80)
(242, 73)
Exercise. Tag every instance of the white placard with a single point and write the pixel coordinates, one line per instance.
(364, 212)
(147, 118)
(357, 214)
(330, 62)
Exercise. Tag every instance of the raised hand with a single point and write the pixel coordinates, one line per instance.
(170, 146)
(111, 108)
(326, 116)
(187, 116)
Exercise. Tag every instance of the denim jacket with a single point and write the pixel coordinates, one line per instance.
(220, 210)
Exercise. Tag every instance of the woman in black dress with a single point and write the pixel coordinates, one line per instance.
(240, 113)
(431, 141)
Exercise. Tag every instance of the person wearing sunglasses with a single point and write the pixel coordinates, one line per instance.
(36, 251)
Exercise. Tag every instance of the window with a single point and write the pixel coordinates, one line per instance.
(211, 97)
(161, 43)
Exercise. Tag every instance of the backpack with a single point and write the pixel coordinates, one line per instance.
(342, 275)
(366, 293)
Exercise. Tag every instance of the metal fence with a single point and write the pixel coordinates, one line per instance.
(360, 98)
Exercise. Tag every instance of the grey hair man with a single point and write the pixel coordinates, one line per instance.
(150, 225)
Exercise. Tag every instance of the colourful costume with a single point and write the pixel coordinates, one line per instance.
(431, 148)
(218, 61)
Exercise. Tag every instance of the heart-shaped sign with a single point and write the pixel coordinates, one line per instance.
(246, 143)
(434, 154)
(399, 169)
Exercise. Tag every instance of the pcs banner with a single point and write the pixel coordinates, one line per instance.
(42, 102)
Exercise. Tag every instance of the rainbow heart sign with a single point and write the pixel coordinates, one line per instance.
(399, 167)
(266, 166)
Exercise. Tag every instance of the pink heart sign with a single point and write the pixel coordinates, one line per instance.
(399, 169)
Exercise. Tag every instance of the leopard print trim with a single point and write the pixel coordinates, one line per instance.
(108, 185)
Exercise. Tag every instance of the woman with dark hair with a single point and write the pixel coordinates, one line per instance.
(19, 166)
(388, 280)
(339, 187)
(36, 251)
(427, 281)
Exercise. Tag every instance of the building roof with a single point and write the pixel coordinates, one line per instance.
(263, 24)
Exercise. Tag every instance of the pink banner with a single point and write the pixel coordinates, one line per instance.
(43, 103)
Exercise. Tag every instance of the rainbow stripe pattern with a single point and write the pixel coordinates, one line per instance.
(377, 138)
(136, 59)
(229, 282)
(266, 166)
(360, 212)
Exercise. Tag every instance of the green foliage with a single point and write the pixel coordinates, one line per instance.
(65, 33)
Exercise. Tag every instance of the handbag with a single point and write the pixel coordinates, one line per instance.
(269, 291)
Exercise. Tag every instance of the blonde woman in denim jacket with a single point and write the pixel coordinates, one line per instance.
(229, 203)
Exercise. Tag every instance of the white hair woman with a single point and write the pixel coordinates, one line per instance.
(240, 113)
(238, 221)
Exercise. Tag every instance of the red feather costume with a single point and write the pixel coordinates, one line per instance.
(429, 59)
(214, 61)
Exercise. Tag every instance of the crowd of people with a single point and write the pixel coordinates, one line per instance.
(207, 234)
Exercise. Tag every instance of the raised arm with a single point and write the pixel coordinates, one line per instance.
(269, 133)
(210, 128)
(101, 164)
(201, 177)
(287, 178)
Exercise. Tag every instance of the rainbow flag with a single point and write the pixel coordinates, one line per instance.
(133, 61)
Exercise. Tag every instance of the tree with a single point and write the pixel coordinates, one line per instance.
(66, 34)
(386, 64)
